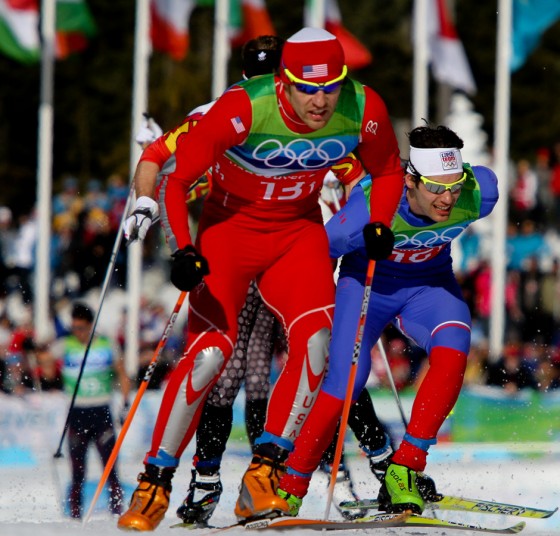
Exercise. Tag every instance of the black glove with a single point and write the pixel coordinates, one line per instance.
(379, 240)
(188, 268)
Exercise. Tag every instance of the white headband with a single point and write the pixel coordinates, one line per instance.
(434, 161)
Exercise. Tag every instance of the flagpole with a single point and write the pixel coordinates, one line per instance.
(221, 50)
(501, 168)
(42, 275)
(317, 13)
(134, 251)
(420, 74)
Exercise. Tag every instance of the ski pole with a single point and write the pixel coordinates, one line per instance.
(108, 275)
(335, 199)
(351, 381)
(143, 386)
(392, 381)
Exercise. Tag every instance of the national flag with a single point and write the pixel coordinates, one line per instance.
(447, 55)
(170, 26)
(19, 30)
(315, 71)
(74, 25)
(530, 19)
(357, 55)
(238, 124)
(249, 19)
(20, 33)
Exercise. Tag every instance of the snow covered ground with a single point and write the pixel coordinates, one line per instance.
(30, 501)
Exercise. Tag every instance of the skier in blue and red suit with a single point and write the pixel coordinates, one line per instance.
(416, 289)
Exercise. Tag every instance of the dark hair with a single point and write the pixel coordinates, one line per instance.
(81, 311)
(429, 137)
(261, 55)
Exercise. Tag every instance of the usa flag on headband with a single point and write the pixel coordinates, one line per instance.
(315, 71)
(238, 124)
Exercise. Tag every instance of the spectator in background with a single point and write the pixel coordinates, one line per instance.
(511, 371)
(95, 196)
(153, 322)
(117, 196)
(555, 184)
(65, 200)
(547, 374)
(524, 194)
(6, 245)
(90, 418)
(48, 369)
(482, 306)
(476, 372)
(542, 170)
(525, 244)
(537, 323)
(93, 245)
(399, 361)
(550, 292)
(19, 374)
(23, 261)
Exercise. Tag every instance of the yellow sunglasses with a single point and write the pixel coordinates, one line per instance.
(435, 187)
(313, 87)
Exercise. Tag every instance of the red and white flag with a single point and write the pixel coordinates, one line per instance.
(170, 26)
(248, 20)
(447, 55)
(357, 55)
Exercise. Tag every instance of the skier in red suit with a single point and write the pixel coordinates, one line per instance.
(270, 141)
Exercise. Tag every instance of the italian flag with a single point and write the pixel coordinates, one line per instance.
(169, 28)
(19, 28)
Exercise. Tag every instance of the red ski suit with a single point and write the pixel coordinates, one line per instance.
(264, 228)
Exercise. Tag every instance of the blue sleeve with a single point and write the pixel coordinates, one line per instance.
(345, 228)
(488, 189)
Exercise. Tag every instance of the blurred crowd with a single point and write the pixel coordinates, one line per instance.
(86, 221)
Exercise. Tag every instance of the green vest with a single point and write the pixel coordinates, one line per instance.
(272, 149)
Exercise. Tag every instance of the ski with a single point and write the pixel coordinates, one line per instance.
(296, 523)
(448, 502)
(421, 521)
(287, 523)
(378, 521)
(374, 522)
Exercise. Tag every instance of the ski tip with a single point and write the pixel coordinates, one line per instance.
(517, 528)
(550, 513)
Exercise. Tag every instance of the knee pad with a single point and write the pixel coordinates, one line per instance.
(208, 364)
(318, 348)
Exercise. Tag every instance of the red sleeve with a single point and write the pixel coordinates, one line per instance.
(226, 124)
(379, 152)
(157, 152)
(165, 146)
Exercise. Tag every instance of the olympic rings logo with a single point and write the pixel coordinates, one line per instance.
(427, 239)
(300, 151)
